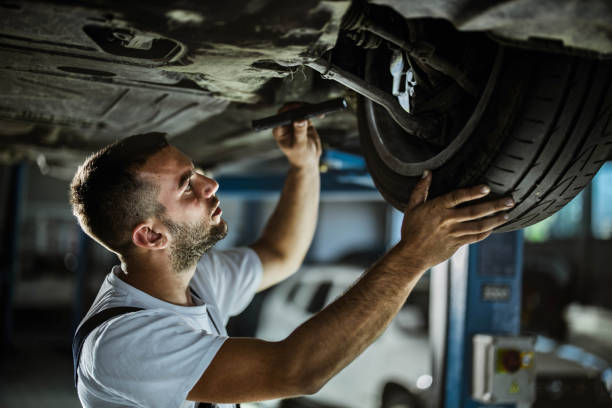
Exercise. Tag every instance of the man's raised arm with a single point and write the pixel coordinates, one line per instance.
(254, 370)
(289, 231)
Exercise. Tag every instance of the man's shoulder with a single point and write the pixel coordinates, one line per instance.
(133, 323)
(152, 349)
(228, 278)
(132, 333)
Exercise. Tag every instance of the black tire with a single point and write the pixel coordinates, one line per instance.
(544, 133)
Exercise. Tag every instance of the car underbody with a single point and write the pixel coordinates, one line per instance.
(76, 76)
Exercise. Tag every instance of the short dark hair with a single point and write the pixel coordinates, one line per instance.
(107, 196)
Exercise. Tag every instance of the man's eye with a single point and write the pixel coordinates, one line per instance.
(189, 186)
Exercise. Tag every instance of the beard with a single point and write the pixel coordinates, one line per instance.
(191, 241)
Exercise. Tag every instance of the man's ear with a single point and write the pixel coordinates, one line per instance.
(148, 235)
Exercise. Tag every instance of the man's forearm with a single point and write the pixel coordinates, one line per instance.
(291, 226)
(331, 339)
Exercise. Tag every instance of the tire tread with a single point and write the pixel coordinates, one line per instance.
(567, 173)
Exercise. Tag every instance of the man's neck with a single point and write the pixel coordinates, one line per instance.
(157, 279)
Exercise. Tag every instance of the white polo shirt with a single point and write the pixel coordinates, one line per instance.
(153, 358)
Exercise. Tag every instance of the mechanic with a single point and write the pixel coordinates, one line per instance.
(142, 199)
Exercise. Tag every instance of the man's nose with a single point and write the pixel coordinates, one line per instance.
(210, 187)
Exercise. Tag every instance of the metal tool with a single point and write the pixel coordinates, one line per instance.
(301, 113)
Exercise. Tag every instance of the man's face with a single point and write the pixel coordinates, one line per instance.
(193, 216)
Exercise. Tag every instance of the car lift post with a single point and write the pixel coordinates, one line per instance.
(475, 310)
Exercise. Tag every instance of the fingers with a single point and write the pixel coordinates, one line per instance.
(283, 135)
(454, 198)
(481, 210)
(479, 226)
(288, 135)
(300, 131)
(470, 239)
(314, 135)
(299, 140)
(420, 192)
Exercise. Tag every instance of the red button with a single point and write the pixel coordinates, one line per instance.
(511, 360)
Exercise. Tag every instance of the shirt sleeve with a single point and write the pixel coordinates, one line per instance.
(233, 277)
(150, 359)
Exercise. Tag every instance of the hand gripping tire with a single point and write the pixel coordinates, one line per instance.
(542, 129)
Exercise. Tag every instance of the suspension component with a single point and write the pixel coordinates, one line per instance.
(359, 18)
(422, 129)
(399, 68)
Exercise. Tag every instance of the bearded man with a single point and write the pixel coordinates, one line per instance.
(155, 334)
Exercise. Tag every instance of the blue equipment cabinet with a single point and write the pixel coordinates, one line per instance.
(482, 284)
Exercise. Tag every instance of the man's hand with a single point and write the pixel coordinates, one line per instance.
(300, 141)
(433, 230)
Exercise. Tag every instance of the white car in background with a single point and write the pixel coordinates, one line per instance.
(395, 371)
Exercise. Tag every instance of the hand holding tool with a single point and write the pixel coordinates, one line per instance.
(301, 113)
